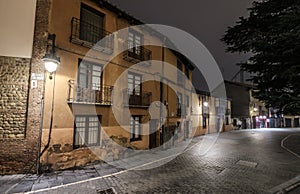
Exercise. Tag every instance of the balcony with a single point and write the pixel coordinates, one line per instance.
(101, 95)
(87, 35)
(136, 54)
(134, 100)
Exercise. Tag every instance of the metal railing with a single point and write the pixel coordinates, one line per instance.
(88, 35)
(143, 99)
(136, 54)
(90, 94)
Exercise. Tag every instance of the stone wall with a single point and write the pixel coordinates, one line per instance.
(18, 154)
(13, 96)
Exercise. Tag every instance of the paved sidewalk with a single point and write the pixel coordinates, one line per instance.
(139, 161)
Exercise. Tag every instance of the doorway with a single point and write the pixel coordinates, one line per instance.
(153, 133)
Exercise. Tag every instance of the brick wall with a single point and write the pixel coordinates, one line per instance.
(18, 151)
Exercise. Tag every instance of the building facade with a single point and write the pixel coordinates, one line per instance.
(105, 97)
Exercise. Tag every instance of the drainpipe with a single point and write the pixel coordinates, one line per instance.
(162, 93)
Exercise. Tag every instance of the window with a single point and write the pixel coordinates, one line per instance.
(204, 123)
(135, 128)
(179, 99)
(187, 101)
(187, 72)
(217, 102)
(134, 42)
(178, 128)
(134, 84)
(179, 72)
(87, 131)
(288, 122)
(91, 24)
(89, 82)
(296, 122)
(227, 120)
(90, 75)
(179, 104)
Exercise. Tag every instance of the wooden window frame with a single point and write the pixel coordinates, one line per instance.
(87, 131)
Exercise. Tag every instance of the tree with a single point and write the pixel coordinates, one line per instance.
(271, 33)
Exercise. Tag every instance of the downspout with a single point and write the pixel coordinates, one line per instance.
(162, 93)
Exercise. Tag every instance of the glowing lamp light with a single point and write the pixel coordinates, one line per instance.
(50, 65)
(255, 109)
(50, 59)
(205, 104)
(264, 117)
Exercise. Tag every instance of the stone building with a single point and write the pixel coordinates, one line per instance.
(127, 91)
(20, 57)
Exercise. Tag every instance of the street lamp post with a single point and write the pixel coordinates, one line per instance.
(51, 62)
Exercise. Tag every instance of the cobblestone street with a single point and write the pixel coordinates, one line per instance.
(245, 161)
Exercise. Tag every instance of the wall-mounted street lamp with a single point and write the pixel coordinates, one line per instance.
(50, 59)
(205, 104)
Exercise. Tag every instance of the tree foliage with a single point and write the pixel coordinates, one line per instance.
(271, 33)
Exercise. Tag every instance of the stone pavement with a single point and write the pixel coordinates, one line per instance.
(245, 161)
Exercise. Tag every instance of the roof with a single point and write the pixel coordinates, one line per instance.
(134, 21)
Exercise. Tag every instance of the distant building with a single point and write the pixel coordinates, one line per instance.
(239, 93)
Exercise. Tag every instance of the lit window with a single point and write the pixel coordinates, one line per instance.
(87, 131)
(135, 128)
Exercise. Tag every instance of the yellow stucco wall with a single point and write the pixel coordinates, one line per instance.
(69, 53)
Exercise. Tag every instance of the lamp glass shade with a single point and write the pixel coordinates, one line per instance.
(50, 66)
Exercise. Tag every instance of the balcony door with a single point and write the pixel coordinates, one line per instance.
(135, 40)
(91, 24)
(89, 82)
(134, 88)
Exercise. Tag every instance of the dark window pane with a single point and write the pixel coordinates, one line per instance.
(91, 25)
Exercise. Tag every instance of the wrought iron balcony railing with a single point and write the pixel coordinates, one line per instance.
(137, 100)
(88, 35)
(91, 94)
(136, 54)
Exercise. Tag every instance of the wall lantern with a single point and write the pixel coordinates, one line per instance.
(255, 109)
(50, 59)
(205, 104)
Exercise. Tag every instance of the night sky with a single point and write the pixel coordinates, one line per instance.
(207, 20)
